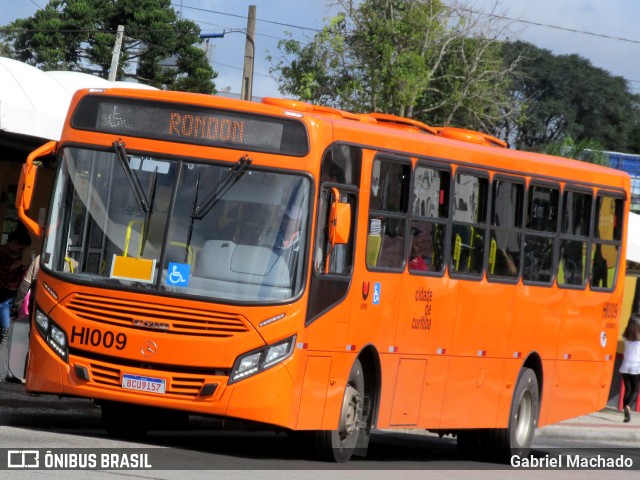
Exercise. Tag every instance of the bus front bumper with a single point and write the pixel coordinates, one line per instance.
(267, 397)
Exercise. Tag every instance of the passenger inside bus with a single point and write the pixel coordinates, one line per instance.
(417, 262)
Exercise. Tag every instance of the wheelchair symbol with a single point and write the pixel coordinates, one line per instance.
(376, 293)
(178, 274)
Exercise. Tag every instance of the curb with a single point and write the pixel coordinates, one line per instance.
(581, 433)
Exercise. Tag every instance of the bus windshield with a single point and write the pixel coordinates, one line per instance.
(224, 231)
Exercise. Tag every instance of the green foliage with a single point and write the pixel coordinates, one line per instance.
(158, 49)
(4, 50)
(421, 59)
(566, 96)
(587, 150)
(318, 72)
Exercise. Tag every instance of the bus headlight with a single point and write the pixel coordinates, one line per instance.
(258, 360)
(52, 334)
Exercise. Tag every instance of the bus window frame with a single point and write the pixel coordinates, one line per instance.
(403, 160)
(441, 166)
(514, 180)
(554, 236)
(156, 286)
(595, 240)
(580, 189)
(481, 174)
(343, 189)
(328, 290)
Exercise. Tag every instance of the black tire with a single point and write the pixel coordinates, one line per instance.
(470, 444)
(127, 422)
(523, 419)
(339, 445)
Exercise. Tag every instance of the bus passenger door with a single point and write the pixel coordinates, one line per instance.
(328, 311)
(332, 268)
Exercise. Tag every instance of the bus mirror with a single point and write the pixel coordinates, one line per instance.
(339, 226)
(339, 223)
(27, 183)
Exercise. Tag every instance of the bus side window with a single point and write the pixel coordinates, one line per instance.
(507, 210)
(574, 236)
(540, 231)
(430, 210)
(469, 215)
(605, 250)
(388, 207)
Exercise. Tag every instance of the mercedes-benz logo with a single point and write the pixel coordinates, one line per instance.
(149, 348)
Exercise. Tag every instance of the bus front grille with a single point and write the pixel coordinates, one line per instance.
(181, 385)
(175, 320)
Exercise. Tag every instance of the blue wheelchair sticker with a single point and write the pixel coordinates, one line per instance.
(178, 274)
(376, 293)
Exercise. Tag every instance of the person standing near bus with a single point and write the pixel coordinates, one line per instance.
(11, 271)
(630, 368)
(24, 292)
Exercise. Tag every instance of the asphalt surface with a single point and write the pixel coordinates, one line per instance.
(605, 425)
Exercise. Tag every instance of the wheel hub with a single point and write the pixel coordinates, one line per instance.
(351, 412)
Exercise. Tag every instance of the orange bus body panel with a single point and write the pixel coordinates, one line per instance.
(446, 351)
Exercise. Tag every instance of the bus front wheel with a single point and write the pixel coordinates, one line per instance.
(122, 421)
(339, 445)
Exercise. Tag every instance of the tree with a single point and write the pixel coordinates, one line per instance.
(585, 150)
(5, 50)
(566, 96)
(416, 58)
(159, 49)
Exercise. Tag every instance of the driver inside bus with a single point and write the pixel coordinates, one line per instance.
(289, 232)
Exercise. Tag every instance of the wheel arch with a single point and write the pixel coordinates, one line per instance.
(534, 362)
(370, 360)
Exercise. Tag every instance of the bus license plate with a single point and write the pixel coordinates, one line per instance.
(143, 384)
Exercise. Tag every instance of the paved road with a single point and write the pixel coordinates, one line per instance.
(47, 422)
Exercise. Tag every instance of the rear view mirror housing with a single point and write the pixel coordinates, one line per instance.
(27, 183)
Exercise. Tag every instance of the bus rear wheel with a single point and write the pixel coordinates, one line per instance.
(499, 445)
(339, 445)
(523, 418)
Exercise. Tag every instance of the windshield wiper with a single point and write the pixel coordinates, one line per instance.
(199, 211)
(194, 205)
(132, 177)
(149, 212)
(232, 177)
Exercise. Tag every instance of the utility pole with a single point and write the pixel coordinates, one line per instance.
(249, 54)
(115, 57)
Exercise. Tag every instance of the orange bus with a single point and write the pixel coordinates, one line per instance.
(321, 271)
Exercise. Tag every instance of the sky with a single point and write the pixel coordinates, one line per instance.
(607, 33)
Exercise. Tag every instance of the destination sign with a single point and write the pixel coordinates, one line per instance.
(178, 122)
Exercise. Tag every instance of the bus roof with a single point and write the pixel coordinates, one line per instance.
(403, 136)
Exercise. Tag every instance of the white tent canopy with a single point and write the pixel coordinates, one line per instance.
(35, 103)
(633, 238)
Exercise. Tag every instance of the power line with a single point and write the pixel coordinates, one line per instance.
(470, 10)
(546, 25)
(238, 68)
(273, 22)
(302, 27)
(227, 27)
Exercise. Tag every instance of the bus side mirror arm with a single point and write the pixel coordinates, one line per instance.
(339, 228)
(27, 183)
